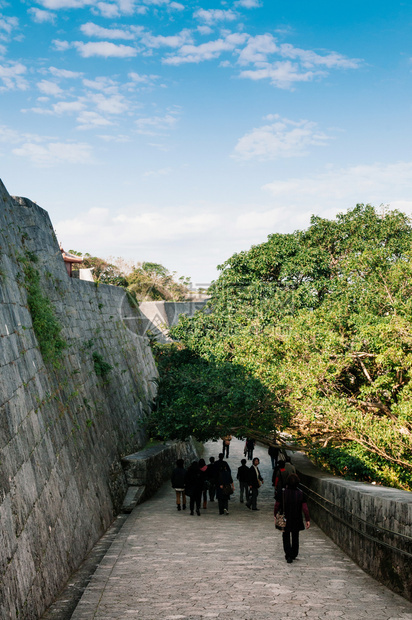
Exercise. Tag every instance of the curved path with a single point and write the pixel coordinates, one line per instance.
(168, 565)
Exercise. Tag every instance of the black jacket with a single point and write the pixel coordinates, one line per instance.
(194, 480)
(224, 477)
(178, 478)
(243, 473)
(253, 479)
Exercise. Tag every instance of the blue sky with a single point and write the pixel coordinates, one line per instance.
(182, 131)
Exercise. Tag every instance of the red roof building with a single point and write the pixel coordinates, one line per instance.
(69, 259)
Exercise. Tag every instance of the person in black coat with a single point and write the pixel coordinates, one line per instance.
(220, 463)
(178, 483)
(294, 505)
(211, 477)
(279, 478)
(224, 481)
(255, 481)
(249, 447)
(243, 477)
(194, 486)
(274, 454)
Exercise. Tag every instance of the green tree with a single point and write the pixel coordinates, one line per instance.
(153, 282)
(322, 320)
(103, 271)
(204, 399)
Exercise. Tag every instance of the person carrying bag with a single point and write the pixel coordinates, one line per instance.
(294, 504)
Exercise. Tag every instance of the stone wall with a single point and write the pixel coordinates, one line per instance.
(149, 468)
(64, 429)
(159, 316)
(372, 524)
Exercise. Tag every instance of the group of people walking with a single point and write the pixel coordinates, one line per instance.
(203, 483)
(200, 482)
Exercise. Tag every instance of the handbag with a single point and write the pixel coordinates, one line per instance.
(280, 519)
(227, 489)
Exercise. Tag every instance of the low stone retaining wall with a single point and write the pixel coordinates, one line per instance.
(372, 524)
(148, 469)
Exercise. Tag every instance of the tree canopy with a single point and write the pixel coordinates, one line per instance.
(145, 281)
(152, 281)
(319, 323)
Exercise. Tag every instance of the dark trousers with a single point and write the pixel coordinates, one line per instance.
(212, 491)
(291, 550)
(223, 504)
(244, 489)
(225, 450)
(253, 497)
(195, 498)
(250, 454)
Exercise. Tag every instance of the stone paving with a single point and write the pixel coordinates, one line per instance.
(169, 565)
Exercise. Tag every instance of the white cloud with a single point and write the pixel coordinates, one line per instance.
(93, 30)
(213, 16)
(41, 17)
(310, 59)
(10, 136)
(307, 64)
(177, 40)
(176, 6)
(103, 84)
(126, 7)
(118, 8)
(344, 187)
(64, 73)
(258, 220)
(110, 105)
(59, 108)
(55, 5)
(142, 79)
(8, 24)
(12, 76)
(53, 153)
(281, 138)
(49, 88)
(282, 74)
(105, 49)
(120, 138)
(144, 224)
(92, 120)
(205, 51)
(204, 30)
(61, 46)
(68, 107)
(154, 124)
(257, 49)
(156, 2)
(108, 9)
(158, 173)
(249, 4)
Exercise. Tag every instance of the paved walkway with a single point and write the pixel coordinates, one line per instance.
(168, 565)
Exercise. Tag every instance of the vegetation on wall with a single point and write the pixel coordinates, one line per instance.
(45, 323)
(101, 367)
(321, 320)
